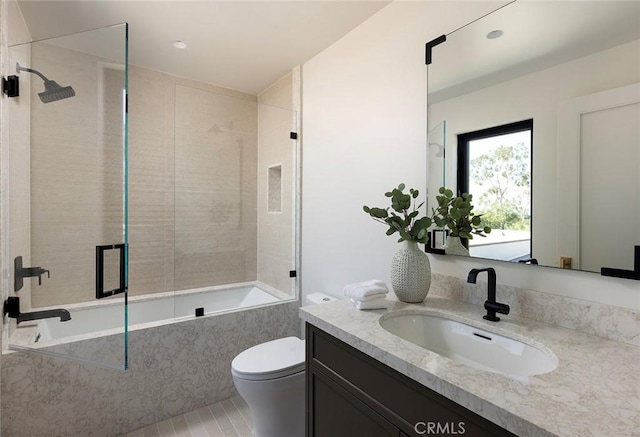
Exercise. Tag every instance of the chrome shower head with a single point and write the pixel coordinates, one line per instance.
(52, 90)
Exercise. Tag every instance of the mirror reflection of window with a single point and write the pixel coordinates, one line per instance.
(494, 165)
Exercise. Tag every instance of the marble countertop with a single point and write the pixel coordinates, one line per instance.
(594, 391)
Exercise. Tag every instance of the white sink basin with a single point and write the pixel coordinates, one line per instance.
(469, 345)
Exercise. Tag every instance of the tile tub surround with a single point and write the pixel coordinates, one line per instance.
(174, 368)
(594, 391)
(612, 322)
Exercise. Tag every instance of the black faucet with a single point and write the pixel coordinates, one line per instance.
(47, 314)
(26, 272)
(12, 308)
(490, 304)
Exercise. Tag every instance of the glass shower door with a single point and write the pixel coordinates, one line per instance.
(436, 174)
(65, 183)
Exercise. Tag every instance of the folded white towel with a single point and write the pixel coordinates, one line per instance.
(380, 295)
(375, 304)
(367, 290)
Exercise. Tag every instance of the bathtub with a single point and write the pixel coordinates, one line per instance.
(107, 318)
(175, 362)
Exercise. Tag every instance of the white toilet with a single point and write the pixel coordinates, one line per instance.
(270, 378)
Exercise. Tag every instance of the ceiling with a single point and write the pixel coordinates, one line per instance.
(537, 35)
(241, 45)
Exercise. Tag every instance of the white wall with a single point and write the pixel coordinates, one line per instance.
(364, 130)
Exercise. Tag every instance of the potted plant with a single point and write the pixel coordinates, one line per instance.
(456, 214)
(410, 267)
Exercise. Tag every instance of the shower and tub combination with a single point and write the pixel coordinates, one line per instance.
(159, 207)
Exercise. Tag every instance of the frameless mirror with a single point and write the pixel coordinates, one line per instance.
(562, 185)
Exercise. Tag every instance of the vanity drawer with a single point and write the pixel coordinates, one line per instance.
(401, 400)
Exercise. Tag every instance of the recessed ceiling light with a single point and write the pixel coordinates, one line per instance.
(495, 34)
(179, 44)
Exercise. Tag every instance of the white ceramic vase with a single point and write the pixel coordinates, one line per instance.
(410, 273)
(454, 247)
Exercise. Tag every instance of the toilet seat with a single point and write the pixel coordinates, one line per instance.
(270, 360)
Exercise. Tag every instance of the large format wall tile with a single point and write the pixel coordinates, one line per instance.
(215, 216)
(76, 173)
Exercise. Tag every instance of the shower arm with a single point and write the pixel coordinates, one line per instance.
(19, 68)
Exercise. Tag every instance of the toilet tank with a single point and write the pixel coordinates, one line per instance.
(315, 298)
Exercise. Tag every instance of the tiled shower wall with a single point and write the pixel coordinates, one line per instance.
(194, 185)
(76, 172)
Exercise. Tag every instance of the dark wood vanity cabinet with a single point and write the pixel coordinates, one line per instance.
(350, 394)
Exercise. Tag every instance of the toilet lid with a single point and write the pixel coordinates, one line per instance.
(273, 359)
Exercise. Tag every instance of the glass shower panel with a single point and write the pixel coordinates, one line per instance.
(436, 175)
(277, 173)
(67, 217)
(235, 194)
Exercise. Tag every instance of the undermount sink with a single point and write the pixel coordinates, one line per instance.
(469, 345)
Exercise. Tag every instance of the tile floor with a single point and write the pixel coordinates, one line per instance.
(228, 418)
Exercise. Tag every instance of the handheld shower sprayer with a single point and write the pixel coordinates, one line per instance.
(52, 90)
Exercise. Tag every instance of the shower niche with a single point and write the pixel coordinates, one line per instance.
(64, 197)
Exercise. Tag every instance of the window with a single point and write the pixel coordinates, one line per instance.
(494, 165)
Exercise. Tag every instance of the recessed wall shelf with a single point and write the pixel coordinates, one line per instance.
(275, 188)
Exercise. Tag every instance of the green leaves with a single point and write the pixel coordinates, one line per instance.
(376, 212)
(456, 213)
(400, 201)
(420, 229)
(445, 192)
(402, 217)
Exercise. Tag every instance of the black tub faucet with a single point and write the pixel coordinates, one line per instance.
(12, 308)
(64, 315)
(490, 304)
